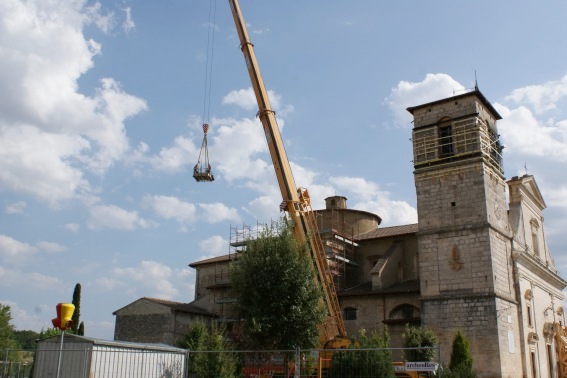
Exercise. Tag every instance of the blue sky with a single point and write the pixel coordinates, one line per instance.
(101, 107)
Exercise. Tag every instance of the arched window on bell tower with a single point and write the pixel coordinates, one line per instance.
(445, 134)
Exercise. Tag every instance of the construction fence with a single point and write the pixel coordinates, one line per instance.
(89, 363)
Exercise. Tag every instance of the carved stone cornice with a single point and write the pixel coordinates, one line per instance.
(540, 269)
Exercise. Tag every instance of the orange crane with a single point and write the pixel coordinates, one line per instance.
(296, 202)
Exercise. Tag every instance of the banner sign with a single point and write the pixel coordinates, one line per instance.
(421, 366)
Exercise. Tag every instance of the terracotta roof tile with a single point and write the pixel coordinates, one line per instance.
(386, 232)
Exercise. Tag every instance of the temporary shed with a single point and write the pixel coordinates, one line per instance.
(85, 357)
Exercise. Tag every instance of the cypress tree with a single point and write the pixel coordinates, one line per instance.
(77, 314)
(461, 359)
(461, 362)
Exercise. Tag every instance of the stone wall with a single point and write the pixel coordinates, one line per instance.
(374, 309)
(146, 328)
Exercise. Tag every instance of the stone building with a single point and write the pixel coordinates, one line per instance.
(476, 261)
(484, 266)
(158, 321)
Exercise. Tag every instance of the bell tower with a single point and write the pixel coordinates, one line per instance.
(465, 265)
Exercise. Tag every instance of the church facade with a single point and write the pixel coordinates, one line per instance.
(477, 260)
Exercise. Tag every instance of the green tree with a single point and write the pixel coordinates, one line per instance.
(460, 353)
(461, 362)
(77, 313)
(7, 339)
(417, 337)
(279, 301)
(26, 339)
(370, 357)
(202, 341)
(49, 332)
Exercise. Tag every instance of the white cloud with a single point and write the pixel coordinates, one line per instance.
(168, 207)
(368, 196)
(105, 22)
(50, 247)
(50, 134)
(556, 196)
(128, 25)
(213, 247)
(16, 208)
(149, 278)
(35, 162)
(109, 284)
(542, 97)
(246, 99)
(183, 153)
(22, 320)
(243, 98)
(362, 189)
(523, 134)
(15, 252)
(237, 160)
(218, 212)
(27, 280)
(186, 213)
(406, 94)
(73, 227)
(114, 217)
(265, 208)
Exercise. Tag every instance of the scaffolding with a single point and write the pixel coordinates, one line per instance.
(240, 236)
(338, 238)
(457, 139)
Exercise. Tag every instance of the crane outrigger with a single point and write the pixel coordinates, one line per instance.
(296, 202)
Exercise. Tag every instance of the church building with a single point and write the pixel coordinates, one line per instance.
(477, 261)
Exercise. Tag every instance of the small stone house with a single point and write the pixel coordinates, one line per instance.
(151, 320)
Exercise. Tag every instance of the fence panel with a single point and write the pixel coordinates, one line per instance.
(124, 363)
(343, 363)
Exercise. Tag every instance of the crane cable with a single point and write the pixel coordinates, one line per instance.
(202, 170)
(209, 63)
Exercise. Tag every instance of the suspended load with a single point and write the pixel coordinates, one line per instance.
(202, 170)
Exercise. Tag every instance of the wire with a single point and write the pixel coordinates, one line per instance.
(209, 62)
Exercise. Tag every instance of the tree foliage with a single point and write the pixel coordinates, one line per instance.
(460, 352)
(279, 303)
(77, 313)
(202, 337)
(370, 357)
(49, 332)
(26, 339)
(461, 362)
(7, 339)
(417, 337)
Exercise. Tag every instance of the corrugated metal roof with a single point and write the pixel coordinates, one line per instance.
(386, 232)
(114, 343)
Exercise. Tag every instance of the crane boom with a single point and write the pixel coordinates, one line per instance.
(297, 202)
